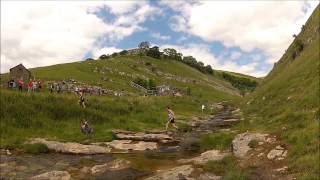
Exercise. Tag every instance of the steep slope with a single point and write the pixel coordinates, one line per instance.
(287, 101)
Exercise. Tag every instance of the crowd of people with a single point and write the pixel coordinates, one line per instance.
(31, 85)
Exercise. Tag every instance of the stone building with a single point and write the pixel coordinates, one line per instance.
(20, 72)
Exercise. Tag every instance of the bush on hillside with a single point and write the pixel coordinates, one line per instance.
(241, 83)
(103, 56)
(124, 52)
(154, 52)
(148, 84)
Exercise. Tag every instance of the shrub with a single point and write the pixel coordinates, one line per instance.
(36, 148)
(253, 143)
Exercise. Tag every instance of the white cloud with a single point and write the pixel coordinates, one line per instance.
(235, 55)
(157, 35)
(266, 25)
(96, 53)
(38, 33)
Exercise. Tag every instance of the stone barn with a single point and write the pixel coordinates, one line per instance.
(20, 72)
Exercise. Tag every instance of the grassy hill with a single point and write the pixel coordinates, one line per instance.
(287, 101)
(58, 116)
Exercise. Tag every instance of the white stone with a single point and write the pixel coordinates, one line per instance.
(180, 172)
(130, 145)
(52, 175)
(240, 142)
(212, 155)
(113, 165)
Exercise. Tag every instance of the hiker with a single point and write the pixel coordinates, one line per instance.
(20, 84)
(30, 85)
(81, 100)
(85, 129)
(39, 84)
(58, 88)
(51, 87)
(170, 118)
(34, 86)
(203, 107)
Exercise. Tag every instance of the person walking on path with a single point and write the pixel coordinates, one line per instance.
(34, 86)
(85, 128)
(170, 119)
(81, 100)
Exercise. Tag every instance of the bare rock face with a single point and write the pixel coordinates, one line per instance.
(140, 136)
(71, 147)
(177, 173)
(130, 145)
(113, 165)
(212, 155)
(240, 142)
(52, 175)
(279, 153)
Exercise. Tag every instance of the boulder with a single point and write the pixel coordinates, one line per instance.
(71, 147)
(240, 143)
(278, 153)
(212, 155)
(52, 175)
(180, 172)
(117, 164)
(130, 145)
(140, 136)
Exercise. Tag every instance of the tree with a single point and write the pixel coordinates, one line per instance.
(103, 56)
(124, 52)
(154, 52)
(172, 54)
(209, 69)
(144, 45)
(114, 54)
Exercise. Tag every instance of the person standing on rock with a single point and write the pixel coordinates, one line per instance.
(170, 119)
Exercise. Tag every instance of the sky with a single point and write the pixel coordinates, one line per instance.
(240, 36)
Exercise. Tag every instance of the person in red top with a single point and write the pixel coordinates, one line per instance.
(20, 82)
(30, 85)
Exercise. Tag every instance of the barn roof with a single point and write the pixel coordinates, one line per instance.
(18, 66)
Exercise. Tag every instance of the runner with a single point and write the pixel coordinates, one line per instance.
(170, 118)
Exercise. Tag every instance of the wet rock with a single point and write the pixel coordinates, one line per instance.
(190, 144)
(177, 173)
(212, 155)
(140, 136)
(209, 176)
(240, 143)
(113, 165)
(278, 153)
(71, 147)
(122, 174)
(85, 170)
(52, 175)
(130, 145)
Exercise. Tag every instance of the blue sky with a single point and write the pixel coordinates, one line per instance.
(242, 36)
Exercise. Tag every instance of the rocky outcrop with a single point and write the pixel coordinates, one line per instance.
(240, 144)
(140, 136)
(131, 145)
(113, 165)
(180, 172)
(279, 153)
(212, 155)
(71, 147)
(52, 175)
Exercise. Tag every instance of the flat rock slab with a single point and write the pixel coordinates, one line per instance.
(52, 175)
(71, 147)
(180, 172)
(140, 136)
(212, 155)
(279, 153)
(131, 145)
(240, 143)
(117, 164)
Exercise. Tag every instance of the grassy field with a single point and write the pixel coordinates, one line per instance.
(58, 116)
(287, 103)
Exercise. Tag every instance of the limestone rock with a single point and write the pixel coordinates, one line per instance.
(240, 142)
(52, 175)
(140, 136)
(113, 165)
(212, 155)
(180, 172)
(130, 145)
(278, 153)
(71, 147)
(209, 176)
(282, 170)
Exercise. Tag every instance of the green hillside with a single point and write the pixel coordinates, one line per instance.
(287, 101)
(58, 116)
